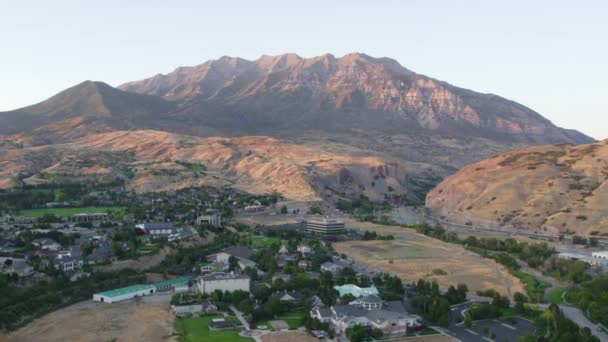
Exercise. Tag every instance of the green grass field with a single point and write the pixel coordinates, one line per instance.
(292, 318)
(197, 329)
(428, 331)
(555, 295)
(63, 212)
(261, 241)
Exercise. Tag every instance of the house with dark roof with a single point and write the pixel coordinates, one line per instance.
(243, 254)
(290, 296)
(370, 311)
(46, 243)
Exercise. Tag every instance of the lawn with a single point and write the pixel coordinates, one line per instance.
(428, 331)
(62, 212)
(260, 241)
(292, 318)
(555, 295)
(197, 329)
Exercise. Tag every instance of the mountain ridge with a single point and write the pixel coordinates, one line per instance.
(355, 103)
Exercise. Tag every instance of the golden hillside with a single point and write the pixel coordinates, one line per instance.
(155, 160)
(552, 188)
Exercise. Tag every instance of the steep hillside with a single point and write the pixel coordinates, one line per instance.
(153, 160)
(355, 93)
(554, 188)
(94, 103)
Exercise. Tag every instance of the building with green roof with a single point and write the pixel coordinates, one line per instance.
(124, 293)
(169, 284)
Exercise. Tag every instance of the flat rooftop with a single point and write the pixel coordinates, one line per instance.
(125, 290)
(174, 281)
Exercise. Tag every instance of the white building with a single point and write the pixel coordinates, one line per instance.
(303, 249)
(600, 255)
(326, 226)
(124, 293)
(223, 282)
(212, 218)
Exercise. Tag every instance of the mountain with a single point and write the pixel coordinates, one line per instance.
(152, 160)
(282, 94)
(558, 189)
(80, 110)
(355, 105)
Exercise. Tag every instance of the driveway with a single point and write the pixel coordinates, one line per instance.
(239, 316)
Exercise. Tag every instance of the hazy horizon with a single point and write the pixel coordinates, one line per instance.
(546, 55)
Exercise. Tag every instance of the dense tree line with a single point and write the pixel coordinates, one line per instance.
(432, 305)
(18, 304)
(555, 327)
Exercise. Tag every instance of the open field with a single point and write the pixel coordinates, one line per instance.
(289, 336)
(62, 212)
(197, 329)
(149, 320)
(413, 256)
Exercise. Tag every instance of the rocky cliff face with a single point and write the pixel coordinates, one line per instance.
(351, 93)
(557, 189)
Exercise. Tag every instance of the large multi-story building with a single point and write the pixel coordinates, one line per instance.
(223, 282)
(326, 226)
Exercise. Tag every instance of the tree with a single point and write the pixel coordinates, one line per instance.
(273, 306)
(59, 196)
(284, 209)
(233, 263)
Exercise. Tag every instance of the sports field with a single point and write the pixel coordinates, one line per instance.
(197, 329)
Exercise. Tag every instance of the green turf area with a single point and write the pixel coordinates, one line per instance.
(555, 295)
(261, 241)
(197, 329)
(63, 212)
(428, 331)
(292, 318)
(535, 288)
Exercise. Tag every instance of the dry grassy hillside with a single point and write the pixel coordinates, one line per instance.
(156, 160)
(553, 188)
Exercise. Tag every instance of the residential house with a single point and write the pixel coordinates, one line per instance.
(212, 219)
(356, 291)
(329, 266)
(46, 243)
(187, 310)
(305, 264)
(304, 250)
(290, 296)
(17, 266)
(159, 230)
(392, 319)
(224, 282)
(208, 306)
(284, 259)
(243, 254)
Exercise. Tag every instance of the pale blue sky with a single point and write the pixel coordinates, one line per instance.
(549, 55)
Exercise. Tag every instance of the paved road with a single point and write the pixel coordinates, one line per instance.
(578, 317)
(240, 317)
(505, 231)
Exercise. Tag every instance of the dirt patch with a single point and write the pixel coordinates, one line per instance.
(290, 336)
(91, 321)
(412, 256)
